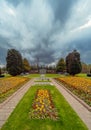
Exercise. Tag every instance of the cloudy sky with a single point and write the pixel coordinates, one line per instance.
(45, 29)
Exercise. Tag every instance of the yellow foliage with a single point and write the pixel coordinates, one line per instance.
(9, 83)
(80, 83)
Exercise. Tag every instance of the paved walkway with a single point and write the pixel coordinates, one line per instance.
(8, 106)
(82, 111)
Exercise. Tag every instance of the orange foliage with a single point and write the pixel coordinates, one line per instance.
(10, 83)
(79, 83)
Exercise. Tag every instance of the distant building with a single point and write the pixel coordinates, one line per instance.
(34, 72)
(42, 71)
(51, 71)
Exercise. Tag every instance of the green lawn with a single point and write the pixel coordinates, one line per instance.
(20, 120)
(53, 75)
(82, 75)
(6, 76)
(46, 75)
(32, 75)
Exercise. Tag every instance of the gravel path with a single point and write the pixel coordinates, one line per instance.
(8, 106)
(82, 111)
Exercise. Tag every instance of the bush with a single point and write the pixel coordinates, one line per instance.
(89, 75)
(2, 76)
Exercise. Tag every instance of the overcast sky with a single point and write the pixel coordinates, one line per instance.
(47, 29)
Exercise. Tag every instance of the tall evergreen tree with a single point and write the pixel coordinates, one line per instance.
(0, 71)
(60, 65)
(73, 63)
(14, 62)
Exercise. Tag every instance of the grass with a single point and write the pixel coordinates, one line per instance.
(20, 120)
(82, 75)
(53, 75)
(6, 76)
(32, 75)
(46, 75)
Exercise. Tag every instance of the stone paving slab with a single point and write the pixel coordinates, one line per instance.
(82, 111)
(8, 106)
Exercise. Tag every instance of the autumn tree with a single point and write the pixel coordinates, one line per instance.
(90, 71)
(73, 63)
(0, 71)
(26, 65)
(60, 65)
(14, 62)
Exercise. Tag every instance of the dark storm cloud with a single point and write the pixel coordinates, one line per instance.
(46, 29)
(41, 51)
(62, 9)
(3, 53)
(4, 43)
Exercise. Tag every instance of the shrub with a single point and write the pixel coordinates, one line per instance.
(2, 76)
(89, 75)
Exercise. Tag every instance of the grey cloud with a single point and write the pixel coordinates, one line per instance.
(17, 2)
(14, 2)
(46, 29)
(3, 53)
(62, 9)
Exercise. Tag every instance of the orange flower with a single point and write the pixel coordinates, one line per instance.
(44, 105)
(80, 83)
(9, 83)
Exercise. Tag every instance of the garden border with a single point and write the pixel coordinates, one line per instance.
(78, 99)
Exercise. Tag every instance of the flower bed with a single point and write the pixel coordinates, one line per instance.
(10, 83)
(43, 106)
(78, 83)
(79, 86)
